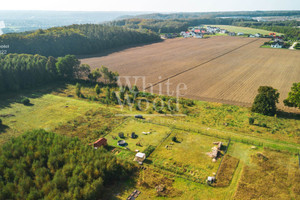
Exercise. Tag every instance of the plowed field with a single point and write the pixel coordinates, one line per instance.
(222, 69)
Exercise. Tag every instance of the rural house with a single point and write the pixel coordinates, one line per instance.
(277, 45)
(257, 35)
(99, 143)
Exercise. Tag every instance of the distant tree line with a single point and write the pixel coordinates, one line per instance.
(75, 39)
(170, 25)
(175, 23)
(193, 15)
(288, 28)
(43, 165)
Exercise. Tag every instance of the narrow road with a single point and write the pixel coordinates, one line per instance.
(292, 47)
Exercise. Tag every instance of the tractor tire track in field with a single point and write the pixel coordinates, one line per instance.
(189, 69)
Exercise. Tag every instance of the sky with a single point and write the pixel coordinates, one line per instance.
(151, 5)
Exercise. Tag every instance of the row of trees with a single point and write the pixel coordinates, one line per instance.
(267, 97)
(75, 39)
(193, 15)
(42, 165)
(288, 28)
(19, 71)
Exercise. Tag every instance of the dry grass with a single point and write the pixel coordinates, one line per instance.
(272, 176)
(150, 180)
(188, 156)
(226, 171)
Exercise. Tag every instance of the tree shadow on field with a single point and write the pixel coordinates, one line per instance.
(3, 128)
(288, 115)
(16, 97)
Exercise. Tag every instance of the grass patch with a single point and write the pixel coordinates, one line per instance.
(188, 156)
(47, 112)
(154, 135)
(226, 171)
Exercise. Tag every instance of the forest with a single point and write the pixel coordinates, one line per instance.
(43, 165)
(170, 25)
(75, 39)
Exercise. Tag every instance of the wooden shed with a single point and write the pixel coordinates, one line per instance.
(99, 143)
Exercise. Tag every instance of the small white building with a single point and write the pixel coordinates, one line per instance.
(277, 45)
(257, 35)
(223, 31)
(240, 33)
(140, 157)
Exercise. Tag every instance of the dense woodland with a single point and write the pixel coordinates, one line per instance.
(75, 39)
(20, 71)
(42, 165)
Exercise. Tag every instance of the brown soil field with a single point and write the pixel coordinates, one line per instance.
(220, 69)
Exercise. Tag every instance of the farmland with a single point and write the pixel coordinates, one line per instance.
(245, 30)
(219, 69)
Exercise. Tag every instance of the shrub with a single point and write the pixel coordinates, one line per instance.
(97, 89)
(174, 139)
(0, 122)
(78, 90)
(121, 135)
(251, 120)
(25, 101)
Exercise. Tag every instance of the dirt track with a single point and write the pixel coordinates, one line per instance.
(221, 69)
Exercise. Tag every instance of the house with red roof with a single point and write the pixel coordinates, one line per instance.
(99, 143)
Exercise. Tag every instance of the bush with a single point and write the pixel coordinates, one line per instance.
(251, 120)
(0, 122)
(25, 101)
(174, 139)
(78, 90)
